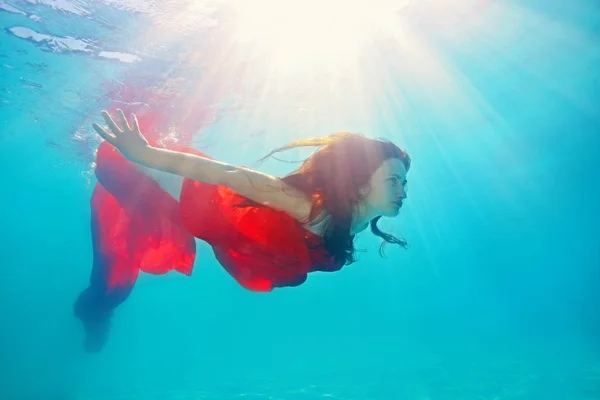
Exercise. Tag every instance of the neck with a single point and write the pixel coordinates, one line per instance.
(363, 214)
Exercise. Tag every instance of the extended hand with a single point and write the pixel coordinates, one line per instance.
(129, 141)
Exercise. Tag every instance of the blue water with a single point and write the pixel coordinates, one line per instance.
(497, 296)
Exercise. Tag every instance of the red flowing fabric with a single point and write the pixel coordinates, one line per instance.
(260, 247)
(139, 226)
(142, 227)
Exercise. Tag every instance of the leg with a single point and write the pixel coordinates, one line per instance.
(136, 225)
(111, 280)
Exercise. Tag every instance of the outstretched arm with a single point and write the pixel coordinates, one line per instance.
(259, 187)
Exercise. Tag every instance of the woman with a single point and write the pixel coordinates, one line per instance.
(267, 232)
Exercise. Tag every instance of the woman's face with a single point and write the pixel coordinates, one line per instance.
(387, 188)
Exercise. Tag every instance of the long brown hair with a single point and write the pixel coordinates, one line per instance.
(333, 176)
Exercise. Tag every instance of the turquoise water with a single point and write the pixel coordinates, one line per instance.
(496, 297)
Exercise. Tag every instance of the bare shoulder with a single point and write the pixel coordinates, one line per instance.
(318, 225)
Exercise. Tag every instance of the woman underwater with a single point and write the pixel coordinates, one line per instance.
(267, 232)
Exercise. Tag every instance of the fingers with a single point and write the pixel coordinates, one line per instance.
(111, 124)
(110, 138)
(136, 126)
(124, 122)
(113, 136)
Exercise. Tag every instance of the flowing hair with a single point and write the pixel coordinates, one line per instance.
(333, 177)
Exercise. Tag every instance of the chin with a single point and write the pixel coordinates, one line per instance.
(393, 212)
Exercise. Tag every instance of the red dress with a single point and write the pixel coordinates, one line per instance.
(138, 226)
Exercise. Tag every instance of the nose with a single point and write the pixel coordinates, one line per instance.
(402, 193)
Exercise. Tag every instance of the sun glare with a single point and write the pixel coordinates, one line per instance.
(297, 34)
